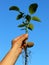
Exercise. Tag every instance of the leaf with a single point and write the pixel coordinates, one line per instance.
(30, 26)
(28, 17)
(35, 19)
(22, 25)
(19, 16)
(14, 8)
(33, 8)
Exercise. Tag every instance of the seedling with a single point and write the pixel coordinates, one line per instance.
(26, 24)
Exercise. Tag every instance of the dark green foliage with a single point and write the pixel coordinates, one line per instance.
(19, 16)
(22, 25)
(30, 26)
(33, 8)
(28, 18)
(35, 18)
(15, 8)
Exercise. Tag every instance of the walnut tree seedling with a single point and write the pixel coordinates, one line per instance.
(26, 24)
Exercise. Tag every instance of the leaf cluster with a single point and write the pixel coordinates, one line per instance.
(26, 24)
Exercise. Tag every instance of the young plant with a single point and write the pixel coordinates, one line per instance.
(26, 24)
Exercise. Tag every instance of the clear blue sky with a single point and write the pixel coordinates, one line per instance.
(40, 34)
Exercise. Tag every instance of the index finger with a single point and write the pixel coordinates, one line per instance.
(23, 37)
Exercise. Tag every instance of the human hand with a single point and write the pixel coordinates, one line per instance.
(18, 43)
(13, 54)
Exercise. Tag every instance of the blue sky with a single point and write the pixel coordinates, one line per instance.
(40, 35)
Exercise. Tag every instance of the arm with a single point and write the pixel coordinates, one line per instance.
(15, 51)
(11, 57)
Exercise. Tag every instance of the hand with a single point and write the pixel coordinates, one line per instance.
(19, 42)
(13, 54)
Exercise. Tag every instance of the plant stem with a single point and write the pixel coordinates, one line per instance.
(26, 54)
(26, 29)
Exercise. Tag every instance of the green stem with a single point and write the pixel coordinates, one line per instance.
(26, 54)
(26, 29)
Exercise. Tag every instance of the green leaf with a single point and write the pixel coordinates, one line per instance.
(22, 25)
(28, 17)
(30, 26)
(14, 8)
(33, 8)
(35, 19)
(19, 16)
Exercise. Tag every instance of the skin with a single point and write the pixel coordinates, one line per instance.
(16, 49)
